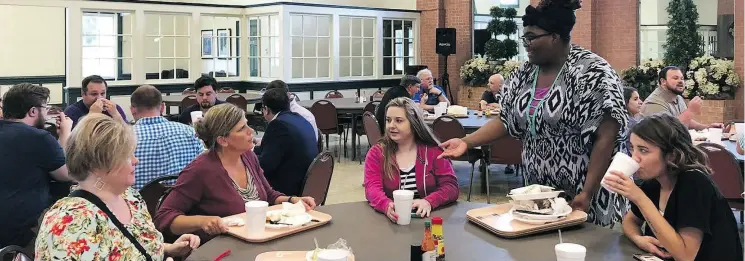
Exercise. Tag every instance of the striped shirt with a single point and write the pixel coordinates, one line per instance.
(249, 193)
(163, 148)
(408, 180)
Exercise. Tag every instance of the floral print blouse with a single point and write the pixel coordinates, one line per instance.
(75, 229)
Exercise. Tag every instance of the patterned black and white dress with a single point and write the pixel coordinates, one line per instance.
(557, 152)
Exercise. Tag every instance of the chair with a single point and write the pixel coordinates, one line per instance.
(361, 129)
(320, 141)
(446, 128)
(372, 129)
(506, 151)
(226, 90)
(726, 173)
(189, 91)
(238, 100)
(15, 253)
(318, 178)
(377, 95)
(154, 192)
(334, 95)
(188, 101)
(327, 120)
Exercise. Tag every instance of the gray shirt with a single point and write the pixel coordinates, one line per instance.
(663, 101)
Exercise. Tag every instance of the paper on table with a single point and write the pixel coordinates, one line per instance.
(293, 209)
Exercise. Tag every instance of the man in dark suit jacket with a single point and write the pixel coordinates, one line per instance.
(288, 146)
(408, 86)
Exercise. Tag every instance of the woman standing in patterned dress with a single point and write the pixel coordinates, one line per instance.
(566, 105)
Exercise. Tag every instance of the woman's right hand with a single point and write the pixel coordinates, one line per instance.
(213, 225)
(391, 213)
(453, 148)
(651, 245)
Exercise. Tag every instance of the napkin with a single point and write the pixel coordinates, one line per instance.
(290, 209)
(532, 189)
(233, 222)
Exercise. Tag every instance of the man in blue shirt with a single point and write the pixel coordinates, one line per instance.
(205, 87)
(163, 147)
(430, 94)
(93, 92)
(30, 158)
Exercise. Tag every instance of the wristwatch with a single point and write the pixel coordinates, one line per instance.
(289, 199)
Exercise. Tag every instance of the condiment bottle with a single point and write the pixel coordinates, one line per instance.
(438, 235)
(429, 252)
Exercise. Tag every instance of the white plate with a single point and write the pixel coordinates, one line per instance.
(294, 221)
(535, 222)
(541, 217)
(534, 196)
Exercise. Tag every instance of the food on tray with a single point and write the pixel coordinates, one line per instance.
(233, 222)
(289, 215)
(532, 189)
(457, 110)
(537, 202)
(550, 206)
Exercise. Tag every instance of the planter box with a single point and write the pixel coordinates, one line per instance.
(469, 96)
(713, 111)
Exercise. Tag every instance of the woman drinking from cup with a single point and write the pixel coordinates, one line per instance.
(218, 183)
(104, 219)
(406, 159)
(685, 214)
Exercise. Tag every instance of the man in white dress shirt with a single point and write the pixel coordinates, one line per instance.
(294, 107)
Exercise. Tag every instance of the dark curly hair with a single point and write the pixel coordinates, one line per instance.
(674, 140)
(554, 16)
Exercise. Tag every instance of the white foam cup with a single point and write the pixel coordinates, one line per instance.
(402, 201)
(333, 255)
(256, 217)
(195, 115)
(715, 135)
(621, 163)
(570, 252)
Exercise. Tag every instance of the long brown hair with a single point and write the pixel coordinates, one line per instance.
(422, 134)
(674, 140)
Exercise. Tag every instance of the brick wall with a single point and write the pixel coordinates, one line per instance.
(739, 56)
(456, 14)
(615, 32)
(470, 96)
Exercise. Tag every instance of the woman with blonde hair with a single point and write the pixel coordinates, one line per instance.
(104, 218)
(406, 158)
(685, 214)
(218, 183)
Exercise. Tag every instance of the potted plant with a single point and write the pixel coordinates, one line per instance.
(502, 26)
(711, 79)
(643, 77)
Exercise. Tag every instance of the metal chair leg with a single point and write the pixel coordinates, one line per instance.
(486, 177)
(470, 185)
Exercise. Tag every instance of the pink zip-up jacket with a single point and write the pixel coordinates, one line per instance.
(440, 181)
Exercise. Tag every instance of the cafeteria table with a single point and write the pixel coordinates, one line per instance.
(373, 237)
(175, 100)
(344, 106)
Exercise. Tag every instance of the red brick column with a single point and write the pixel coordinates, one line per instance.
(739, 56)
(456, 14)
(615, 27)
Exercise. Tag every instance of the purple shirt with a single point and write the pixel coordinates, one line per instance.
(540, 93)
(77, 110)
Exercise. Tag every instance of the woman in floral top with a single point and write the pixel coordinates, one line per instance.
(100, 156)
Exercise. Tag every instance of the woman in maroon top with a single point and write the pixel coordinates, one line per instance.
(219, 182)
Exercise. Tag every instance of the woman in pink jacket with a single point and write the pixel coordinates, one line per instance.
(406, 158)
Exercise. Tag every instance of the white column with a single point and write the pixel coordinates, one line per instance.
(334, 47)
(74, 50)
(244, 47)
(195, 52)
(285, 57)
(138, 47)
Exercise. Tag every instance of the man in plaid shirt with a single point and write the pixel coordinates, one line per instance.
(163, 147)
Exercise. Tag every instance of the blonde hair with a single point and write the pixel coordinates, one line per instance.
(218, 122)
(98, 143)
(422, 133)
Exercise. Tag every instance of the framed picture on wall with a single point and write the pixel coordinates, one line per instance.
(207, 43)
(223, 42)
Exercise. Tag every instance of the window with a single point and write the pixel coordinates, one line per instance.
(220, 41)
(107, 45)
(167, 46)
(398, 46)
(311, 48)
(263, 46)
(356, 45)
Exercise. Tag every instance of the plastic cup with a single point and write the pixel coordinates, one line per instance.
(570, 252)
(402, 201)
(196, 115)
(621, 163)
(333, 255)
(256, 217)
(715, 135)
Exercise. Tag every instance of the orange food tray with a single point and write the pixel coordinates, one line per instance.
(499, 221)
(269, 234)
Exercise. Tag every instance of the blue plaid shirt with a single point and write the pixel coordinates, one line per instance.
(163, 148)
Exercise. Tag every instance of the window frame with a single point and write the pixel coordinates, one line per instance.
(119, 37)
(174, 36)
(362, 57)
(272, 39)
(331, 55)
(234, 42)
(414, 58)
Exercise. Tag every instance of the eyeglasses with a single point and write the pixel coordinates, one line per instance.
(528, 39)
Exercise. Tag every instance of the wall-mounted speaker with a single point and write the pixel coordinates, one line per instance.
(445, 41)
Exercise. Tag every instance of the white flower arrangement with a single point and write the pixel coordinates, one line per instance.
(711, 78)
(476, 71)
(644, 76)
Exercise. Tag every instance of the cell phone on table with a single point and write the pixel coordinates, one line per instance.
(647, 257)
(413, 213)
